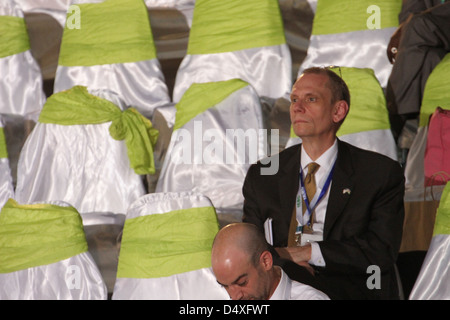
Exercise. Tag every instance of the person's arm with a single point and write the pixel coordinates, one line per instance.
(379, 243)
(409, 9)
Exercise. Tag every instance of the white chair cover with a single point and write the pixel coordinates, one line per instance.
(80, 164)
(211, 150)
(54, 8)
(433, 282)
(21, 80)
(50, 272)
(223, 53)
(345, 33)
(171, 236)
(137, 78)
(367, 125)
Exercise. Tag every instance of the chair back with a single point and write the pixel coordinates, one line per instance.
(166, 246)
(110, 46)
(45, 255)
(237, 39)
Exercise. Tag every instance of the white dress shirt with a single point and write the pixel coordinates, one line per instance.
(326, 161)
(293, 290)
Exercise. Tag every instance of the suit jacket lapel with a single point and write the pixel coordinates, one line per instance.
(288, 185)
(341, 187)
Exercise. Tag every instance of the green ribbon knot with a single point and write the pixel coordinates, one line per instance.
(77, 107)
(140, 138)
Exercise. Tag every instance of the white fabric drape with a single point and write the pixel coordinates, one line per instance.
(21, 82)
(80, 164)
(433, 280)
(359, 49)
(257, 66)
(55, 281)
(196, 158)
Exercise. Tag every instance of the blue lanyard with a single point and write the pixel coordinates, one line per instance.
(309, 210)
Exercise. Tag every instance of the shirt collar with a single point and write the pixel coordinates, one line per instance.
(325, 161)
(283, 290)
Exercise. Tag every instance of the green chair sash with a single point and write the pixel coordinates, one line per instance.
(3, 149)
(436, 92)
(232, 25)
(77, 107)
(13, 36)
(110, 32)
(40, 234)
(161, 245)
(367, 106)
(368, 109)
(348, 15)
(202, 96)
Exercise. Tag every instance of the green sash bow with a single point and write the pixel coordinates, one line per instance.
(77, 107)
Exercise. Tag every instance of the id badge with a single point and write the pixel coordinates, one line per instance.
(310, 237)
(305, 235)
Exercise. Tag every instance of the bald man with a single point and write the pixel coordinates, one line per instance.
(243, 265)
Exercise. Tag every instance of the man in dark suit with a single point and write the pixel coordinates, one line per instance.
(354, 230)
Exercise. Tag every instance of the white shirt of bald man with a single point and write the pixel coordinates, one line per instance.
(293, 290)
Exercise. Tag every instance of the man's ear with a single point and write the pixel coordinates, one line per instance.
(266, 260)
(340, 111)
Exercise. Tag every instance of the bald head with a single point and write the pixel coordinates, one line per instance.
(242, 262)
(242, 238)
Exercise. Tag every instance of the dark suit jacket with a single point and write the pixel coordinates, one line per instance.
(361, 229)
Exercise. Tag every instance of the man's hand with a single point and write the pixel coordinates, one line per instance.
(300, 255)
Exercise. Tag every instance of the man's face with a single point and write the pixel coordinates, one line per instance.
(242, 280)
(312, 112)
